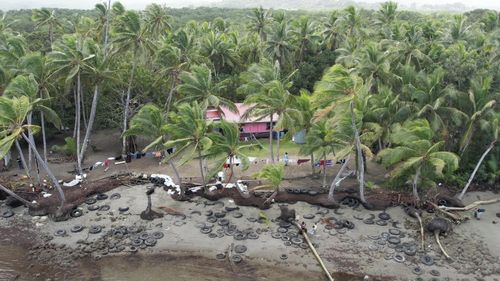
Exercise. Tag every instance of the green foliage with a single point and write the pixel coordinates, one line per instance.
(67, 149)
(273, 174)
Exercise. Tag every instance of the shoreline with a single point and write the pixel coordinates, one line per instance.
(357, 252)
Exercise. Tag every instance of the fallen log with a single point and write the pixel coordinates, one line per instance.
(455, 217)
(470, 206)
(315, 253)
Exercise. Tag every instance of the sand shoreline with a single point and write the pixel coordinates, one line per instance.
(360, 251)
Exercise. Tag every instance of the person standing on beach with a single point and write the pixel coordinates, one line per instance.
(314, 227)
(303, 227)
(285, 158)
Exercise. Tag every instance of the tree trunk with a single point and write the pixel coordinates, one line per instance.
(312, 164)
(88, 132)
(324, 170)
(148, 208)
(23, 160)
(415, 183)
(83, 110)
(361, 166)
(44, 138)
(127, 102)
(78, 113)
(13, 194)
(177, 176)
(232, 169)
(47, 170)
(271, 138)
(201, 169)
(171, 93)
(334, 182)
(106, 29)
(30, 135)
(490, 147)
(278, 147)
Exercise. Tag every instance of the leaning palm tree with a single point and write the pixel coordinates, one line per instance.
(227, 142)
(132, 34)
(151, 123)
(13, 114)
(27, 86)
(273, 174)
(417, 156)
(259, 21)
(188, 131)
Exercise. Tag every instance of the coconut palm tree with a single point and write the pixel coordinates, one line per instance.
(387, 13)
(38, 65)
(259, 21)
(227, 142)
(416, 156)
(304, 33)
(13, 114)
(45, 17)
(199, 85)
(317, 142)
(279, 47)
(151, 122)
(27, 86)
(330, 31)
(482, 103)
(221, 52)
(157, 19)
(189, 131)
(132, 34)
(273, 174)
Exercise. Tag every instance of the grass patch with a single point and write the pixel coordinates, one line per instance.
(285, 146)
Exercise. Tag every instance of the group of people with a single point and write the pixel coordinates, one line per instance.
(303, 227)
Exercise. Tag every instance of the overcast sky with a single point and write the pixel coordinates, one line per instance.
(140, 4)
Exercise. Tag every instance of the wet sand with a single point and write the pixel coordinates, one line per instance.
(184, 253)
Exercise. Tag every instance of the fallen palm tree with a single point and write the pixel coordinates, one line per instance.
(415, 213)
(470, 206)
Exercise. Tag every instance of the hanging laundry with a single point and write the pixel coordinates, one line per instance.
(300, 161)
(329, 163)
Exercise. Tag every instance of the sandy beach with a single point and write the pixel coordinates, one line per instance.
(267, 251)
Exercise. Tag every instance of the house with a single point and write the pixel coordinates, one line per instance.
(249, 127)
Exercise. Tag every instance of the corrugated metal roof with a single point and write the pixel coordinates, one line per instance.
(236, 117)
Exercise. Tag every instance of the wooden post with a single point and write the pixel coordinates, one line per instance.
(318, 258)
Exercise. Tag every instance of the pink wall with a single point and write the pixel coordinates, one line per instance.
(255, 128)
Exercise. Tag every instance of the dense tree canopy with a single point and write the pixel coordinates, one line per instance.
(370, 72)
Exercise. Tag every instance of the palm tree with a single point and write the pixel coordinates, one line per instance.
(38, 65)
(351, 20)
(220, 51)
(317, 142)
(227, 142)
(331, 31)
(273, 174)
(151, 123)
(13, 114)
(495, 126)
(27, 86)
(481, 106)
(188, 131)
(44, 17)
(157, 19)
(304, 33)
(274, 100)
(387, 13)
(132, 35)
(70, 61)
(416, 155)
(259, 21)
(199, 85)
(279, 47)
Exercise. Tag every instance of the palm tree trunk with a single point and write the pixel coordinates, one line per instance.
(490, 147)
(84, 112)
(278, 147)
(271, 138)
(232, 169)
(47, 170)
(334, 182)
(127, 102)
(324, 170)
(106, 29)
(415, 183)
(201, 168)
(312, 164)
(78, 113)
(44, 138)
(29, 119)
(360, 163)
(88, 132)
(13, 194)
(23, 160)
(177, 176)
(170, 94)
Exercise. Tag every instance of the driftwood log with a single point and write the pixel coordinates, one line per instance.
(470, 206)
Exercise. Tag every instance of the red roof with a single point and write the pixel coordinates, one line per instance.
(236, 117)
